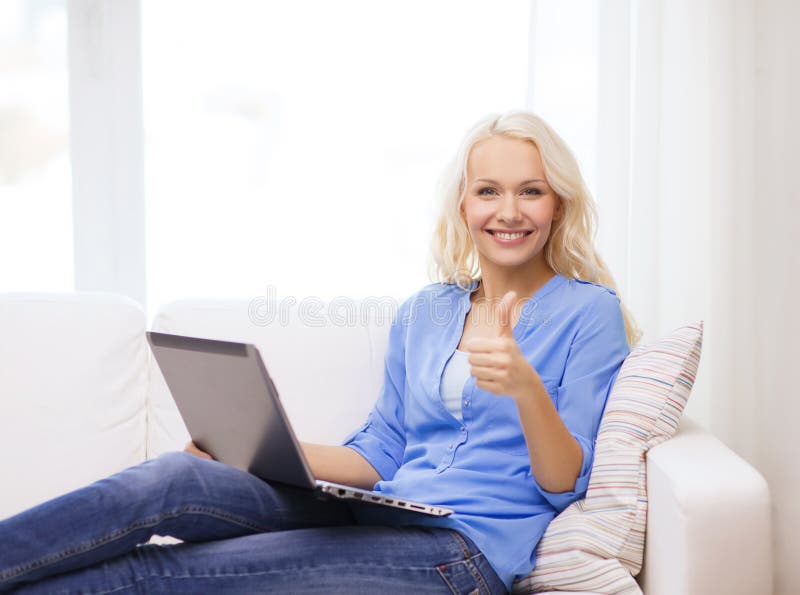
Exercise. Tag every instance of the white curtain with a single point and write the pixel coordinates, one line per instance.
(696, 147)
(675, 179)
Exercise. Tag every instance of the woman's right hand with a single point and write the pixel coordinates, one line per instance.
(192, 449)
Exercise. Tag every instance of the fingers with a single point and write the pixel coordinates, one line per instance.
(486, 344)
(489, 360)
(191, 448)
(488, 385)
(503, 311)
(488, 374)
(202, 454)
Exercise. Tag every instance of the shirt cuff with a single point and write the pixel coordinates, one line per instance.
(372, 449)
(560, 500)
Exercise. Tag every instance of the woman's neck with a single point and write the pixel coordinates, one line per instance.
(492, 289)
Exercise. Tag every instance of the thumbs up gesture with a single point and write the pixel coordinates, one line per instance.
(496, 362)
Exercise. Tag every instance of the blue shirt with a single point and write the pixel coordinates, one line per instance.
(572, 333)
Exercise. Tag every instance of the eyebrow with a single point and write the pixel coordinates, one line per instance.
(498, 183)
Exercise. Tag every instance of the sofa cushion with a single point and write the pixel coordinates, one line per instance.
(597, 543)
(74, 381)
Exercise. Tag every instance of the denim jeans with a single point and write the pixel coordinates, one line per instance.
(240, 535)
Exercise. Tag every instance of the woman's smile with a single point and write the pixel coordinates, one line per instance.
(509, 239)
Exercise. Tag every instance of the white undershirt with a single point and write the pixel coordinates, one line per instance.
(456, 373)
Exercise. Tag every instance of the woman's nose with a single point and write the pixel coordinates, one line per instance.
(509, 209)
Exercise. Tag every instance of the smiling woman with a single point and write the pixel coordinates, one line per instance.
(502, 435)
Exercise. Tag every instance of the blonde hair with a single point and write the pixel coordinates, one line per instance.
(569, 250)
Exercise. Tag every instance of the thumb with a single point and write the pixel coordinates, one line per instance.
(503, 311)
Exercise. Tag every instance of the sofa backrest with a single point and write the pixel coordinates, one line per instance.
(326, 359)
(73, 383)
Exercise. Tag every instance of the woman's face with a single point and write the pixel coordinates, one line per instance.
(507, 191)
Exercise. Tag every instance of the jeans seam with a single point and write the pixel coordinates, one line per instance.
(147, 522)
(476, 573)
(461, 542)
(446, 580)
(322, 567)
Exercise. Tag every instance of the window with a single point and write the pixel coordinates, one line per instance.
(565, 76)
(298, 144)
(35, 180)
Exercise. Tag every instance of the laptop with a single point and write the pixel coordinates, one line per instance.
(231, 407)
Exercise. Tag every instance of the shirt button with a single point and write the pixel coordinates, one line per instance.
(466, 402)
(463, 429)
(451, 447)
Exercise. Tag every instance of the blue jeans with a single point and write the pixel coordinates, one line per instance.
(240, 535)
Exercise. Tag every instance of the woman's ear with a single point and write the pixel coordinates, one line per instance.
(558, 213)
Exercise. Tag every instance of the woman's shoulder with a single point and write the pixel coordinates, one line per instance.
(588, 299)
(435, 290)
(430, 300)
(589, 291)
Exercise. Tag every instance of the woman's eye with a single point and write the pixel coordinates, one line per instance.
(527, 191)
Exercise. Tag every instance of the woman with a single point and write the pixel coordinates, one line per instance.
(495, 381)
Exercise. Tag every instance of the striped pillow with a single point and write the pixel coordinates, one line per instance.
(597, 544)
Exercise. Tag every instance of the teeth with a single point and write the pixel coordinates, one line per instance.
(509, 236)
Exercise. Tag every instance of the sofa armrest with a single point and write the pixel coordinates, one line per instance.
(709, 521)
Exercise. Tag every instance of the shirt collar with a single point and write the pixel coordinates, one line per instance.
(555, 281)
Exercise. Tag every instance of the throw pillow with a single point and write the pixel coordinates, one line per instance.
(597, 544)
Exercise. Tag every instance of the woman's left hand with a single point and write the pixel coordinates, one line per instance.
(497, 362)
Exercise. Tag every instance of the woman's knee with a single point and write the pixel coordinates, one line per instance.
(176, 467)
(177, 462)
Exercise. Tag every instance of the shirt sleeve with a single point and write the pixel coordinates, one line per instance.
(593, 362)
(381, 439)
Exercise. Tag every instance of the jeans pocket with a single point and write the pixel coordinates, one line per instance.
(463, 577)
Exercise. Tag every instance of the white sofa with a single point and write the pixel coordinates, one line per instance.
(81, 398)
